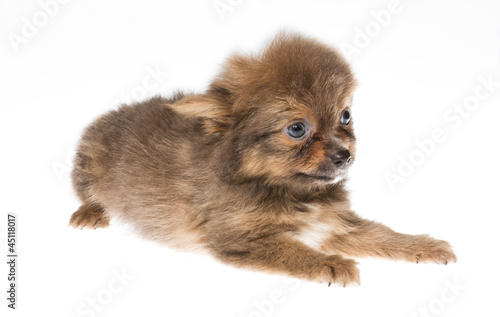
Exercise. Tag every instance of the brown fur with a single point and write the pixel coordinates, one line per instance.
(217, 171)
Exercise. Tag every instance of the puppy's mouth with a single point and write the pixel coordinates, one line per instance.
(322, 179)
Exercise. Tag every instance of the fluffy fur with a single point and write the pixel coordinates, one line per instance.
(219, 171)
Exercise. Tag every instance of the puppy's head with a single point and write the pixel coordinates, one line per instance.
(284, 116)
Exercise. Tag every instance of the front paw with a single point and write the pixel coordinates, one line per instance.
(336, 269)
(432, 250)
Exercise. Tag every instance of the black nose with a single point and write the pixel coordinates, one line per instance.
(341, 158)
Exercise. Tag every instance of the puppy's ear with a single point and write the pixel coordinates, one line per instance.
(214, 111)
(234, 77)
(218, 106)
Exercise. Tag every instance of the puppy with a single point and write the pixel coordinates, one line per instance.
(251, 171)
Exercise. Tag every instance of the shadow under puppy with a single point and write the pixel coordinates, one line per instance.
(251, 171)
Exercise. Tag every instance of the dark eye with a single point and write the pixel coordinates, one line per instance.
(345, 117)
(296, 130)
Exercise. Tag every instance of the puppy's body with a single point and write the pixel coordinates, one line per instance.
(251, 171)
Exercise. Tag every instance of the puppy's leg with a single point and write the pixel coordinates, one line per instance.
(89, 215)
(369, 238)
(284, 255)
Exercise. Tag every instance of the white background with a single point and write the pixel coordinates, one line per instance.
(89, 55)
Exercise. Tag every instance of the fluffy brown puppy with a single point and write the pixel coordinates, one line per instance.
(251, 171)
